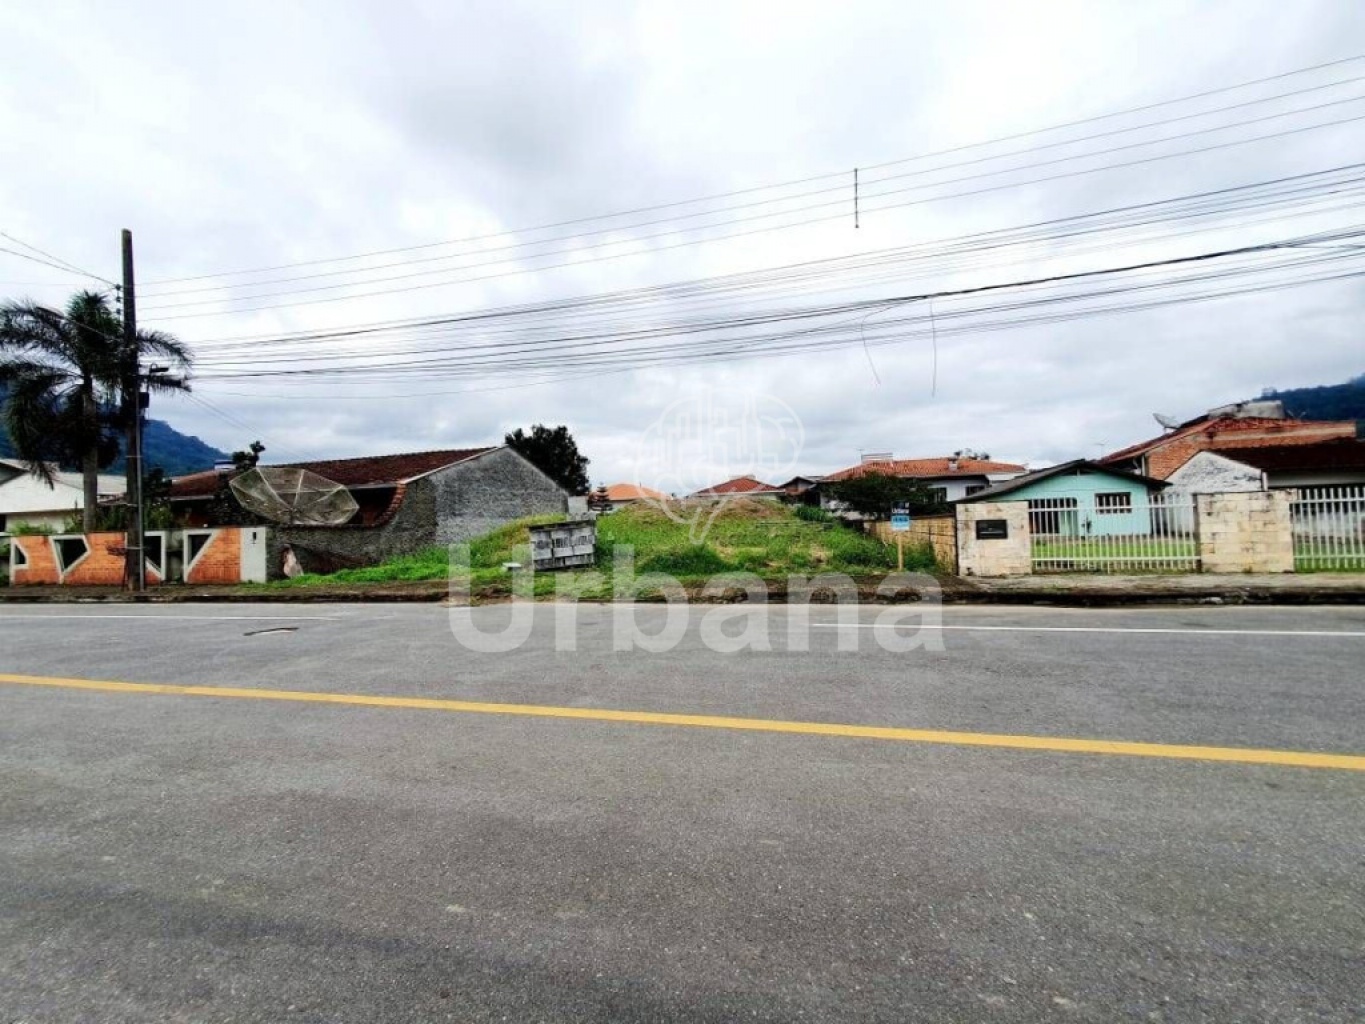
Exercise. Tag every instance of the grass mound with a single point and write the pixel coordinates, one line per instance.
(766, 538)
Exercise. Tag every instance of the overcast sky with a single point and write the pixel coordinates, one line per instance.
(252, 135)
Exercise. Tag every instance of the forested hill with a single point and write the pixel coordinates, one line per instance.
(162, 445)
(1328, 402)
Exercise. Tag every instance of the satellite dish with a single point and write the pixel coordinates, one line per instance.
(1169, 422)
(294, 496)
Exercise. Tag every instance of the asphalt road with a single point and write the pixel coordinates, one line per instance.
(247, 854)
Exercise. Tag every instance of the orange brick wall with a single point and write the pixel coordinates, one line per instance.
(1165, 459)
(102, 567)
(42, 562)
(220, 561)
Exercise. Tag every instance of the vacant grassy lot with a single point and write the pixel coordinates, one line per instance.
(768, 539)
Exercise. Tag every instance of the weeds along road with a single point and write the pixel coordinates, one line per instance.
(341, 813)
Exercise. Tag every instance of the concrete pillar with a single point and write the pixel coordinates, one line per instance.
(980, 549)
(1246, 532)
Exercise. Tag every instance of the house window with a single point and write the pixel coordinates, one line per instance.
(18, 554)
(973, 488)
(1053, 517)
(1113, 503)
(938, 495)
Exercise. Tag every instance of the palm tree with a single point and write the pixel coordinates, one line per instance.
(63, 375)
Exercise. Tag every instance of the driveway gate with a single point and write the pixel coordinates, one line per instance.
(1118, 533)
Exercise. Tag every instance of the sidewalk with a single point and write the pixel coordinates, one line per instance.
(1083, 590)
(1207, 588)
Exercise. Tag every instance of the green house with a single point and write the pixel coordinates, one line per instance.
(1081, 499)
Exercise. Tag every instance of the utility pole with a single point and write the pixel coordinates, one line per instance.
(134, 564)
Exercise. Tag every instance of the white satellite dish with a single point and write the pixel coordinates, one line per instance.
(296, 497)
(1169, 422)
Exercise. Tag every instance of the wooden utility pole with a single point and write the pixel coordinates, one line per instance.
(134, 570)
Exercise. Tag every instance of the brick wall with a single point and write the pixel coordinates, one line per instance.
(938, 532)
(102, 566)
(1011, 556)
(1221, 435)
(220, 561)
(1246, 532)
(42, 563)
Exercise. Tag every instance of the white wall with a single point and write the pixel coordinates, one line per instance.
(1211, 473)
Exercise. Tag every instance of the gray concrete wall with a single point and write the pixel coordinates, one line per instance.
(328, 548)
(484, 493)
(455, 504)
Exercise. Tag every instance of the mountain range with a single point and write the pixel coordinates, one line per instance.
(162, 445)
(1326, 402)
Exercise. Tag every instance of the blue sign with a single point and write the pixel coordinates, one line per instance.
(900, 522)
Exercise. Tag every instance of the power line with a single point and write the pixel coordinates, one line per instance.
(866, 183)
(916, 202)
(1302, 190)
(801, 181)
(428, 367)
(56, 261)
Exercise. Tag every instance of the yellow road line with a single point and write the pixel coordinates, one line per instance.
(1059, 744)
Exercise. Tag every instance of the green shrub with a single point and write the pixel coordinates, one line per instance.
(683, 560)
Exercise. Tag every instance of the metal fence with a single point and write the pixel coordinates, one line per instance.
(1119, 532)
(1329, 528)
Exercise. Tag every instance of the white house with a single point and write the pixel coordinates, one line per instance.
(27, 501)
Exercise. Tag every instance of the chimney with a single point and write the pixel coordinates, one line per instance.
(952, 465)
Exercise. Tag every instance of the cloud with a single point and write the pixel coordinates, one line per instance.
(261, 135)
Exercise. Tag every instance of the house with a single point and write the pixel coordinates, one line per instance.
(1324, 464)
(407, 502)
(1080, 498)
(740, 487)
(1258, 424)
(629, 494)
(949, 478)
(26, 501)
(1316, 471)
(804, 490)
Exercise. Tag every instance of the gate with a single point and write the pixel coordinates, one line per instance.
(1118, 533)
(1329, 528)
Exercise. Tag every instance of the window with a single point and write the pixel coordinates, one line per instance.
(18, 554)
(1113, 503)
(1055, 517)
(973, 488)
(69, 551)
(938, 495)
(194, 546)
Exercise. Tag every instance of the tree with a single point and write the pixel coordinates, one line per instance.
(62, 374)
(554, 452)
(246, 460)
(876, 495)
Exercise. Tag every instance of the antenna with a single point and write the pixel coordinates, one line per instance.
(296, 497)
(1167, 422)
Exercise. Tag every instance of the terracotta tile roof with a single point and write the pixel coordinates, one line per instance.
(634, 492)
(1345, 453)
(929, 468)
(1223, 432)
(367, 471)
(739, 485)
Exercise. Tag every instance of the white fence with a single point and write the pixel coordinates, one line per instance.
(1329, 528)
(1119, 532)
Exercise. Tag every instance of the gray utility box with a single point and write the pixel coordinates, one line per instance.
(564, 545)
